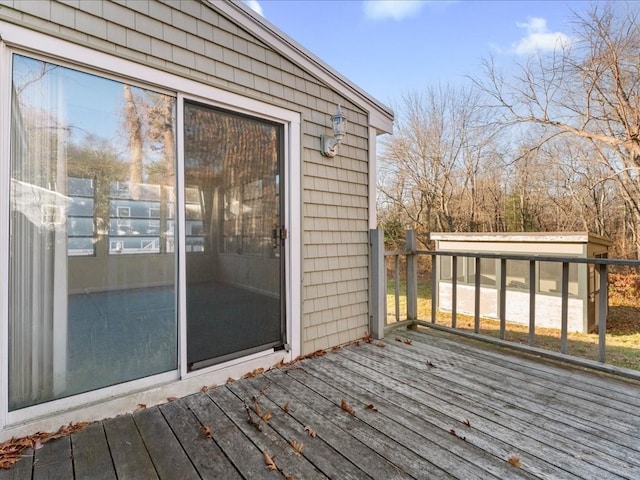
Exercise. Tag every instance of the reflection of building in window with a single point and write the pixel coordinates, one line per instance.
(194, 227)
(80, 216)
(135, 224)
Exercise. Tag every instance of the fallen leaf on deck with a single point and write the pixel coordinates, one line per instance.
(231, 380)
(296, 446)
(514, 460)
(467, 423)
(171, 399)
(254, 373)
(371, 406)
(256, 408)
(207, 431)
(204, 389)
(312, 433)
(266, 417)
(286, 407)
(347, 408)
(367, 337)
(14, 449)
(408, 341)
(380, 344)
(269, 461)
(141, 406)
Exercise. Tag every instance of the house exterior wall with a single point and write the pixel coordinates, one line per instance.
(194, 40)
(222, 48)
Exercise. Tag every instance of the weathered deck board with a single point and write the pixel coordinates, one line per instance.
(91, 457)
(130, 457)
(206, 455)
(53, 461)
(442, 409)
(167, 455)
(502, 412)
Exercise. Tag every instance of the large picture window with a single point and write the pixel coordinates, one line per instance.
(92, 263)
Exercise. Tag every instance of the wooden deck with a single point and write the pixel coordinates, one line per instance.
(433, 408)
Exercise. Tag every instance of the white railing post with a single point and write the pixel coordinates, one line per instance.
(378, 285)
(412, 276)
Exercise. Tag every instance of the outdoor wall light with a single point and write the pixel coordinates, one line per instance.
(330, 144)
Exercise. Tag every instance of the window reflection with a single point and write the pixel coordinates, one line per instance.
(92, 178)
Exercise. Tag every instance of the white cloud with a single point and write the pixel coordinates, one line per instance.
(255, 6)
(395, 9)
(538, 38)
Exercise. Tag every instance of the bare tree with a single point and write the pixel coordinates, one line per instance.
(430, 168)
(588, 89)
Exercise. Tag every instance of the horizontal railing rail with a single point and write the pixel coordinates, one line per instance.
(409, 259)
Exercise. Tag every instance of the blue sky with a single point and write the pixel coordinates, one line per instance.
(389, 48)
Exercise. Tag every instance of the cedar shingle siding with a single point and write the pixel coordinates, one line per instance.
(194, 40)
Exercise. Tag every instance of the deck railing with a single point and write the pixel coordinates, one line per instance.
(407, 276)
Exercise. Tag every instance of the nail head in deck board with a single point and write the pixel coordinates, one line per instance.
(401, 457)
(53, 460)
(357, 452)
(285, 457)
(130, 457)
(165, 451)
(91, 458)
(437, 456)
(204, 452)
(329, 461)
(244, 455)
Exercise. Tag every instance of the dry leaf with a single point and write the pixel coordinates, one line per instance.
(266, 417)
(171, 399)
(371, 406)
(380, 344)
(514, 460)
(467, 423)
(296, 446)
(207, 431)
(408, 341)
(453, 432)
(256, 408)
(289, 477)
(269, 461)
(367, 337)
(312, 433)
(231, 380)
(204, 389)
(254, 373)
(141, 406)
(286, 407)
(347, 408)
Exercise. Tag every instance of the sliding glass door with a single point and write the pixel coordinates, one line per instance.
(234, 241)
(92, 265)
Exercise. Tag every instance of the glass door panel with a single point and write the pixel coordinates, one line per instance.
(92, 298)
(233, 246)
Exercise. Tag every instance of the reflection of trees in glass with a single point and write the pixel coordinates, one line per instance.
(233, 162)
(68, 123)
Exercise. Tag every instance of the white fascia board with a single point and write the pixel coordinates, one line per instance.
(380, 116)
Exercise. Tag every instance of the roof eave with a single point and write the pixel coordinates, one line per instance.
(380, 115)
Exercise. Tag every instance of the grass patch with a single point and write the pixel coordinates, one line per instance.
(622, 339)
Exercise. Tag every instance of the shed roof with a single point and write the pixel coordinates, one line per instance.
(521, 237)
(380, 116)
